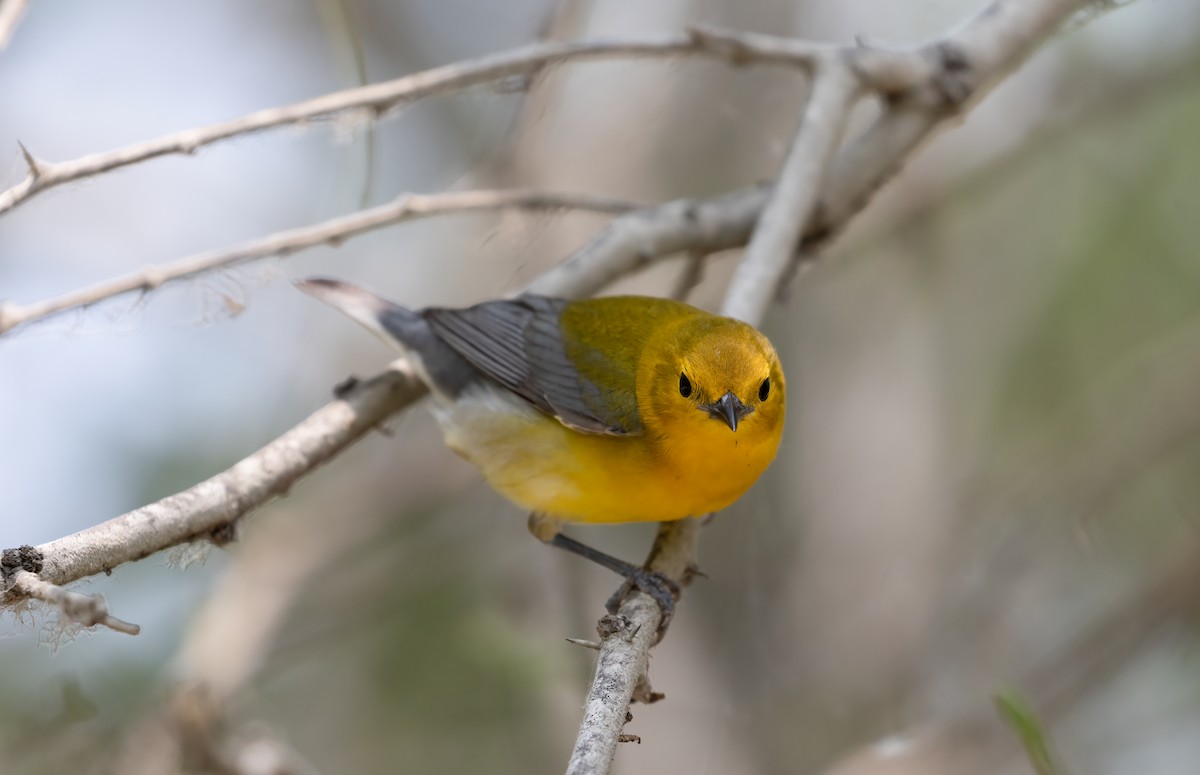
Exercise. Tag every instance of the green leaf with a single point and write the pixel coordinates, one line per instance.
(1017, 714)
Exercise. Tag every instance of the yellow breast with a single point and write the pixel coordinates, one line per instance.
(542, 465)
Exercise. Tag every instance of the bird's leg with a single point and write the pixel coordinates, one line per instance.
(662, 589)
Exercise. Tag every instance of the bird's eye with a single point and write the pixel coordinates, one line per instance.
(685, 386)
(764, 389)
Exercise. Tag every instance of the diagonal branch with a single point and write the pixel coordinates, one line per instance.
(835, 91)
(210, 509)
(333, 231)
(377, 99)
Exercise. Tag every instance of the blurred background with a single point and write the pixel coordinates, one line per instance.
(988, 480)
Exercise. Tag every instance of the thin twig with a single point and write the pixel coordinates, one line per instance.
(333, 231)
(742, 48)
(380, 98)
(11, 12)
(84, 610)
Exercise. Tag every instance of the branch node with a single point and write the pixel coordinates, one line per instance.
(731, 48)
(152, 278)
(25, 557)
(516, 84)
(343, 389)
(953, 80)
(224, 535)
(644, 693)
(189, 143)
(37, 167)
(615, 624)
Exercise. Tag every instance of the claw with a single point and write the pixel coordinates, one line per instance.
(658, 586)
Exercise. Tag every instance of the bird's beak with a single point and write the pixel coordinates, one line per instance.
(728, 409)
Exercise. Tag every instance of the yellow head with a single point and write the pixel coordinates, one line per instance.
(712, 392)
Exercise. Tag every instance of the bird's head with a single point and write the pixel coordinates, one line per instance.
(713, 381)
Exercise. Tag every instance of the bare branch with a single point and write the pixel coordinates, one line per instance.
(834, 92)
(858, 170)
(11, 12)
(959, 69)
(626, 638)
(633, 240)
(743, 48)
(208, 510)
(330, 232)
(710, 225)
(377, 99)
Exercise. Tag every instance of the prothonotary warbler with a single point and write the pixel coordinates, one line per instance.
(617, 409)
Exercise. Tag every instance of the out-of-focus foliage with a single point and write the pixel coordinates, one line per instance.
(1018, 715)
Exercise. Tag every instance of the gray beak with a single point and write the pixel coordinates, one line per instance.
(728, 409)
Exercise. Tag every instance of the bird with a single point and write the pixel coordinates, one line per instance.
(602, 410)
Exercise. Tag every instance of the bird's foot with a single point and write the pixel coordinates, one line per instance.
(660, 587)
(663, 589)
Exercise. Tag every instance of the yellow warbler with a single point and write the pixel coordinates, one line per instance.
(616, 409)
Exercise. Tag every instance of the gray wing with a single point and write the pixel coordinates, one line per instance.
(518, 343)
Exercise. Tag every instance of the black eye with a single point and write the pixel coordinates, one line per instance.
(685, 387)
(764, 389)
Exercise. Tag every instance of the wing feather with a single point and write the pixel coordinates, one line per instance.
(518, 343)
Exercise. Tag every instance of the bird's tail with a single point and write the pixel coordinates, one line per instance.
(389, 321)
(440, 367)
